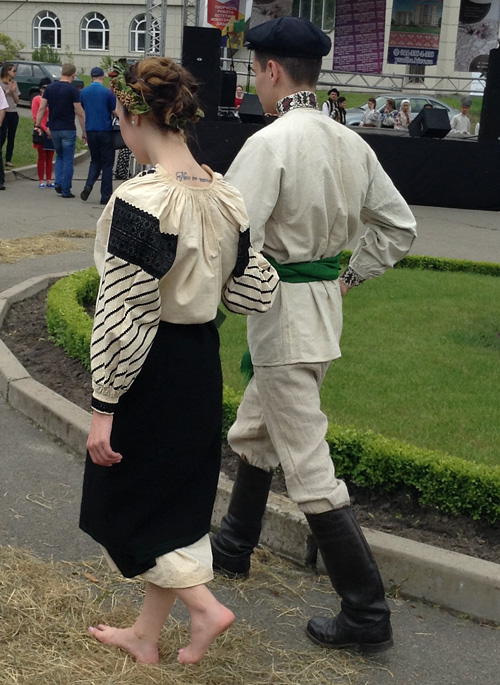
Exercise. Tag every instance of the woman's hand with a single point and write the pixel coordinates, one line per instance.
(98, 442)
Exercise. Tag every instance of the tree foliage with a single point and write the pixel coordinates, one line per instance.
(9, 48)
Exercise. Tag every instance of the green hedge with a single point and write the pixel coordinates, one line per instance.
(68, 323)
(440, 264)
(447, 483)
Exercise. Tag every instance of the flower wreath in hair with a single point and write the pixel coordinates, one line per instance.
(135, 102)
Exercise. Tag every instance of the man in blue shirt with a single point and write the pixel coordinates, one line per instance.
(99, 104)
(63, 100)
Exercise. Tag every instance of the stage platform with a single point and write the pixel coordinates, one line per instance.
(447, 172)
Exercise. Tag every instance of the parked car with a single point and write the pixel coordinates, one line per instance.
(354, 115)
(28, 77)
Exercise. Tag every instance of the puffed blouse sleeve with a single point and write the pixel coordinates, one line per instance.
(253, 283)
(136, 257)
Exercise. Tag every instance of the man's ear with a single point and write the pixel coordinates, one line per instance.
(275, 71)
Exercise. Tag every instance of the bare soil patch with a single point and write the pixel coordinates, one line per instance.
(25, 333)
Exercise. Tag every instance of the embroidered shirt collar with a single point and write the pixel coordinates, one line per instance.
(304, 98)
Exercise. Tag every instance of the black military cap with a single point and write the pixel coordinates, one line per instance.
(289, 37)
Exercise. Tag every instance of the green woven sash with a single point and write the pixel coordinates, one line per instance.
(301, 272)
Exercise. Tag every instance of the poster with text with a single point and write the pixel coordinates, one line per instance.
(415, 32)
(359, 36)
(229, 17)
(477, 34)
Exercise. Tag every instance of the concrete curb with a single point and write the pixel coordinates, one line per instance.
(452, 580)
(25, 171)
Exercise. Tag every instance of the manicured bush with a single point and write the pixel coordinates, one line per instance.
(68, 323)
(447, 483)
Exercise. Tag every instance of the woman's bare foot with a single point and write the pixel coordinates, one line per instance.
(205, 626)
(143, 651)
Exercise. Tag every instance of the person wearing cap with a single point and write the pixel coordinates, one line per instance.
(63, 100)
(330, 105)
(307, 182)
(460, 124)
(99, 104)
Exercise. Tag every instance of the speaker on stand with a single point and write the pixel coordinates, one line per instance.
(201, 56)
(430, 123)
(250, 111)
(489, 123)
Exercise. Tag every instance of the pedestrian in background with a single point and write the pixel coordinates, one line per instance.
(341, 113)
(11, 120)
(63, 100)
(3, 108)
(45, 149)
(99, 105)
(371, 117)
(330, 105)
(460, 124)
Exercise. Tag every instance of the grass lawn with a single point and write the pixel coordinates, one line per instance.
(24, 152)
(421, 353)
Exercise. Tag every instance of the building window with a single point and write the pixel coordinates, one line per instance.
(138, 34)
(320, 12)
(94, 32)
(46, 30)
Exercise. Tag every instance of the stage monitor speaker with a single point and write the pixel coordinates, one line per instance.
(227, 88)
(201, 46)
(430, 123)
(489, 128)
(250, 111)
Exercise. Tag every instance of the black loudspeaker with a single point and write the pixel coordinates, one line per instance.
(201, 56)
(201, 46)
(250, 111)
(489, 124)
(227, 88)
(430, 123)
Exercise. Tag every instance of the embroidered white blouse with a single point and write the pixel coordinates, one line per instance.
(167, 251)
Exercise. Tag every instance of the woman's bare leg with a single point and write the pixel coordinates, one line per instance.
(209, 618)
(141, 639)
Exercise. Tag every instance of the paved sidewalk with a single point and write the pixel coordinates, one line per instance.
(41, 478)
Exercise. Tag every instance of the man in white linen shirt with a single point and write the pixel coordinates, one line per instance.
(306, 181)
(460, 124)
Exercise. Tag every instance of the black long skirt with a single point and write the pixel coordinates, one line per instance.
(168, 428)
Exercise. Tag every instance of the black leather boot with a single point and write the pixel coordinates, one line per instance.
(240, 528)
(363, 621)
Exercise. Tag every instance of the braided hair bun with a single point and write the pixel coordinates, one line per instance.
(168, 89)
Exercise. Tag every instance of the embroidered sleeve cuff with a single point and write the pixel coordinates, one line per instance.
(351, 278)
(103, 407)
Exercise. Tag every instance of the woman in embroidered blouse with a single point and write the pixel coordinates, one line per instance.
(371, 117)
(169, 242)
(403, 118)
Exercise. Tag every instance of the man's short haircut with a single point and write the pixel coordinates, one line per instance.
(298, 69)
(68, 69)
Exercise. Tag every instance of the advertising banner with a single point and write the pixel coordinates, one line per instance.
(229, 17)
(359, 36)
(477, 34)
(415, 32)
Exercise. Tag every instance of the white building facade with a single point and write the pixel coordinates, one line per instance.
(116, 28)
